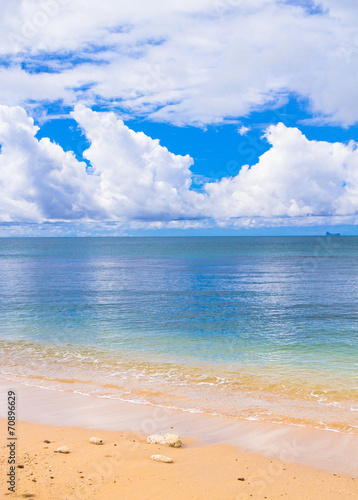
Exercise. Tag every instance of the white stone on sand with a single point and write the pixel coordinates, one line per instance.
(162, 458)
(155, 439)
(63, 449)
(172, 440)
(95, 440)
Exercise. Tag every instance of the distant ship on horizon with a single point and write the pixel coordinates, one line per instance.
(332, 234)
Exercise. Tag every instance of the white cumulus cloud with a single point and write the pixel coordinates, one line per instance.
(138, 178)
(38, 180)
(135, 180)
(294, 178)
(133, 176)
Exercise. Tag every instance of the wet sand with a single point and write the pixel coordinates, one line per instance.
(220, 458)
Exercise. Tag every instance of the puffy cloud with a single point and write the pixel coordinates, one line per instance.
(183, 62)
(134, 180)
(38, 180)
(295, 178)
(138, 178)
(134, 177)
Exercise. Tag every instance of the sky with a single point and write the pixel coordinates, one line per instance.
(227, 117)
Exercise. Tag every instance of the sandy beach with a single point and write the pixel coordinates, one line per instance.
(211, 464)
(122, 468)
(179, 250)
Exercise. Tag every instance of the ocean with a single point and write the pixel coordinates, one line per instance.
(253, 328)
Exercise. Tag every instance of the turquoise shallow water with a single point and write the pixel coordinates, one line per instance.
(258, 328)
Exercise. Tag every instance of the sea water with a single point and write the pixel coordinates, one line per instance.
(257, 328)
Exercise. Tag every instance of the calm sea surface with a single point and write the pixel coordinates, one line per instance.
(253, 328)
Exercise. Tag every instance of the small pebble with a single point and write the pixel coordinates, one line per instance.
(162, 458)
(63, 449)
(95, 440)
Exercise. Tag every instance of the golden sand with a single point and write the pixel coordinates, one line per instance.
(121, 468)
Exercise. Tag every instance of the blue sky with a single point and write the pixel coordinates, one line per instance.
(223, 117)
(217, 150)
